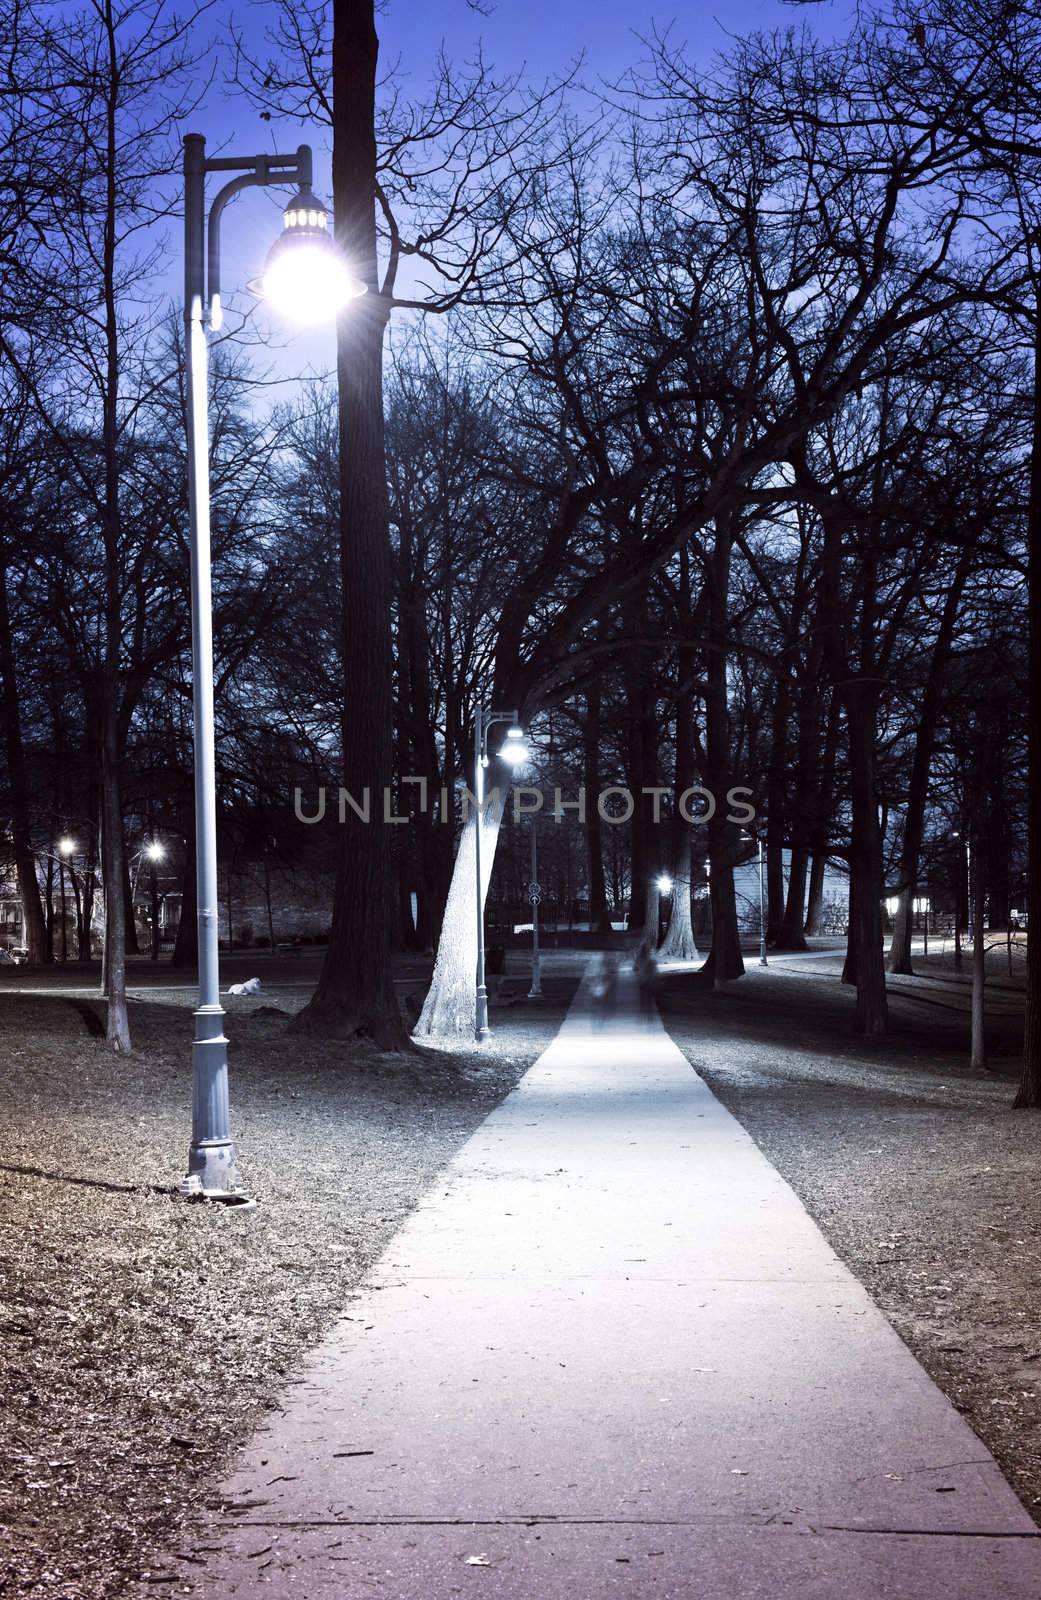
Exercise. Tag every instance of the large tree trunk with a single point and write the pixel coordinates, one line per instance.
(450, 1008)
(679, 943)
(35, 932)
(1029, 1092)
(792, 932)
(355, 992)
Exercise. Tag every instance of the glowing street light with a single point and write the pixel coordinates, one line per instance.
(66, 847)
(306, 278)
(155, 851)
(664, 883)
(514, 751)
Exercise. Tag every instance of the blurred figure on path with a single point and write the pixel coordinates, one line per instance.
(604, 988)
(646, 968)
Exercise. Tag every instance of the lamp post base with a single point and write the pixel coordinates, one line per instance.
(482, 1030)
(212, 1173)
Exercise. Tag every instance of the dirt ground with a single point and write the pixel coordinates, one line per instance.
(141, 1336)
(916, 1169)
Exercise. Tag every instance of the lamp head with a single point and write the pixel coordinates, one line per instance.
(67, 847)
(515, 748)
(664, 883)
(155, 851)
(305, 277)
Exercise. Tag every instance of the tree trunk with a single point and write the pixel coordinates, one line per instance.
(635, 772)
(117, 1031)
(599, 917)
(775, 811)
(978, 1059)
(355, 992)
(899, 958)
(866, 864)
(679, 943)
(35, 932)
(724, 959)
(1028, 1094)
(450, 1008)
(186, 940)
(825, 788)
(792, 935)
(133, 947)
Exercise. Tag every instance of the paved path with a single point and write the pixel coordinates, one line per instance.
(611, 1356)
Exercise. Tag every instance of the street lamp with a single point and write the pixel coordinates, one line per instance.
(515, 751)
(535, 896)
(664, 883)
(304, 276)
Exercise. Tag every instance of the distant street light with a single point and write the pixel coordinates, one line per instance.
(664, 883)
(515, 751)
(155, 853)
(305, 277)
(66, 849)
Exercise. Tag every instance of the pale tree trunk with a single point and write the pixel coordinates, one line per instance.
(450, 1008)
(679, 943)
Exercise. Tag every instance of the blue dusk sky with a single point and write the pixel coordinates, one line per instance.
(536, 38)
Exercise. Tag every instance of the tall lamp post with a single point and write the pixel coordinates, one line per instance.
(762, 905)
(535, 896)
(515, 751)
(306, 277)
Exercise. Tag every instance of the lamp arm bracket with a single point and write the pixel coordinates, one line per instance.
(254, 172)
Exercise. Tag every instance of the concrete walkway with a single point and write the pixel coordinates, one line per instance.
(612, 1356)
